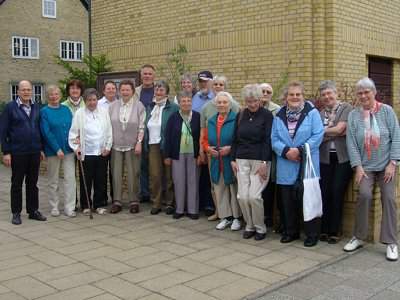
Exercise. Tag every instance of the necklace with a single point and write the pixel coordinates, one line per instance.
(251, 115)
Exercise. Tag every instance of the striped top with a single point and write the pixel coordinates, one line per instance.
(389, 146)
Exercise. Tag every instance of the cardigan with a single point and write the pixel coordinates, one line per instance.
(225, 139)
(20, 133)
(128, 137)
(78, 129)
(309, 129)
(340, 141)
(389, 146)
(169, 109)
(55, 123)
(173, 135)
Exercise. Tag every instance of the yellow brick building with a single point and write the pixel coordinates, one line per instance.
(258, 41)
(32, 33)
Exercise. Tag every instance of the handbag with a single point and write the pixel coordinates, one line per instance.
(312, 199)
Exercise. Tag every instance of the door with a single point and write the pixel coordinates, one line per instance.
(380, 70)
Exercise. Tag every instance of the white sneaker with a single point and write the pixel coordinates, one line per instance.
(55, 212)
(101, 211)
(70, 214)
(392, 252)
(223, 224)
(236, 225)
(353, 244)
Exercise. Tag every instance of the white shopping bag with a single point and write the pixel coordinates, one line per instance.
(312, 200)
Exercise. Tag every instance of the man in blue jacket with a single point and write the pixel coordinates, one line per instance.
(22, 150)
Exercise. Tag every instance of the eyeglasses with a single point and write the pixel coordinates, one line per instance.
(267, 91)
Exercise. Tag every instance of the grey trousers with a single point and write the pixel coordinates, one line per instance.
(131, 161)
(226, 196)
(388, 233)
(185, 174)
(250, 187)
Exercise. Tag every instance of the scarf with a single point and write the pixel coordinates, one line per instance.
(75, 103)
(156, 112)
(330, 114)
(372, 135)
(293, 116)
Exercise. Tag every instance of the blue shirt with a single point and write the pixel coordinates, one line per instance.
(199, 99)
(146, 96)
(54, 125)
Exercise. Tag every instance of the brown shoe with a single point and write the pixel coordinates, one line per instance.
(134, 209)
(115, 209)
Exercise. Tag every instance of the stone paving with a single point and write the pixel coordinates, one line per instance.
(148, 257)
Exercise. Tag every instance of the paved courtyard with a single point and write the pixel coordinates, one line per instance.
(148, 257)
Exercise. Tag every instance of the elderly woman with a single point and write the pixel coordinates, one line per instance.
(188, 84)
(55, 122)
(157, 116)
(373, 145)
(251, 159)
(220, 131)
(182, 151)
(208, 111)
(268, 193)
(91, 139)
(296, 124)
(127, 119)
(336, 171)
(74, 100)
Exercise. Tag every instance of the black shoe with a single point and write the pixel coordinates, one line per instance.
(177, 216)
(333, 240)
(259, 236)
(169, 210)
(310, 241)
(155, 211)
(208, 212)
(289, 238)
(193, 216)
(16, 219)
(36, 215)
(248, 234)
(144, 199)
(323, 237)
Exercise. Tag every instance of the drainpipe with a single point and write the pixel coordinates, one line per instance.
(90, 38)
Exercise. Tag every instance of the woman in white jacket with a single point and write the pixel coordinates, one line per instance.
(90, 137)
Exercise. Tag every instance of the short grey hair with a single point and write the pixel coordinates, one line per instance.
(162, 84)
(183, 94)
(224, 94)
(327, 84)
(221, 78)
(266, 85)
(51, 88)
(252, 91)
(190, 77)
(366, 83)
(89, 93)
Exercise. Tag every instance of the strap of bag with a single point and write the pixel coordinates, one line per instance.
(310, 170)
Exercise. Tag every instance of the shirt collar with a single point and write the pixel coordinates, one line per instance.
(209, 96)
(19, 102)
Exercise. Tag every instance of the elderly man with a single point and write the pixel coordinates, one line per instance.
(21, 146)
(145, 94)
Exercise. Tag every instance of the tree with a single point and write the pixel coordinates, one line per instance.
(175, 66)
(88, 74)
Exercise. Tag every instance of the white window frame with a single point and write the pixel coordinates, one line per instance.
(44, 14)
(75, 52)
(34, 85)
(21, 38)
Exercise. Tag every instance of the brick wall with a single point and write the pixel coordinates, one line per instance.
(24, 18)
(257, 41)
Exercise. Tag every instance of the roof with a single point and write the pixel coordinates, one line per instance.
(85, 3)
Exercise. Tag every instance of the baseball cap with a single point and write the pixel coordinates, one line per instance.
(205, 75)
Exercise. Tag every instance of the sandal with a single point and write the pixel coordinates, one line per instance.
(101, 211)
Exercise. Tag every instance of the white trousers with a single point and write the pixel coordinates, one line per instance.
(53, 170)
(250, 187)
(226, 196)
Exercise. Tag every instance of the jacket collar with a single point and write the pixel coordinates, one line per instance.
(230, 117)
(308, 106)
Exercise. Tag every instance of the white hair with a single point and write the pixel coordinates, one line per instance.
(266, 85)
(221, 78)
(252, 91)
(366, 83)
(224, 94)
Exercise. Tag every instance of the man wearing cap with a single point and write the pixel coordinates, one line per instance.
(203, 96)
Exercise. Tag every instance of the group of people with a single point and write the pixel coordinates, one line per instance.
(202, 151)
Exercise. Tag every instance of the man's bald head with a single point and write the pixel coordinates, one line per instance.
(25, 90)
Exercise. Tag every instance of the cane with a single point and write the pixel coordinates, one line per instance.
(85, 186)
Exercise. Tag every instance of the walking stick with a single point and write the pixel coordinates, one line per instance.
(85, 186)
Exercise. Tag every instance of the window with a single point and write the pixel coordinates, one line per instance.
(49, 8)
(25, 47)
(70, 50)
(37, 92)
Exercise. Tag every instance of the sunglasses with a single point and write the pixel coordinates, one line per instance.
(267, 91)
(218, 84)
